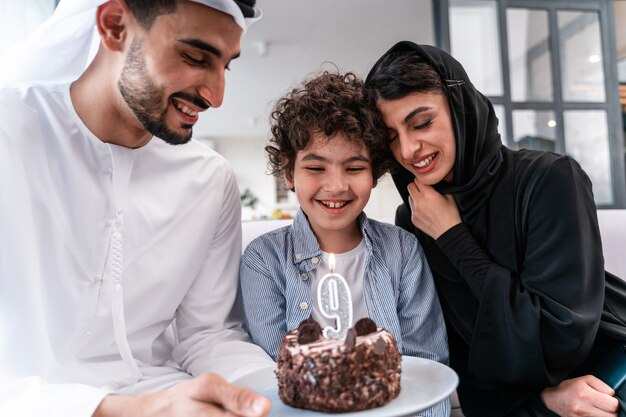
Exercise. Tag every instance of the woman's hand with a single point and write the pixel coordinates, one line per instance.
(431, 212)
(586, 396)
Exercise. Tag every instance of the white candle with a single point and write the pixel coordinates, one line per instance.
(335, 302)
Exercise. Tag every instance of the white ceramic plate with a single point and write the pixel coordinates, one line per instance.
(423, 383)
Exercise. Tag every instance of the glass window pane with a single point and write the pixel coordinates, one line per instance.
(534, 129)
(581, 56)
(475, 42)
(587, 141)
(529, 55)
(499, 109)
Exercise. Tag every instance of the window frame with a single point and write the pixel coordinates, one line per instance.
(611, 105)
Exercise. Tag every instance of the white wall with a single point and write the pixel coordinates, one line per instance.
(301, 38)
(247, 157)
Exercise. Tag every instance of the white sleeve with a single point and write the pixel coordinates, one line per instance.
(209, 320)
(32, 397)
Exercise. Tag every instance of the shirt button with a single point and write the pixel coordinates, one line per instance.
(304, 277)
(315, 260)
(304, 305)
(298, 256)
(88, 333)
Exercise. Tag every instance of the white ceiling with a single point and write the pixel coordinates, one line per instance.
(299, 37)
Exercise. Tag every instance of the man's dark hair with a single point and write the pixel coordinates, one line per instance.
(401, 73)
(330, 103)
(246, 6)
(145, 11)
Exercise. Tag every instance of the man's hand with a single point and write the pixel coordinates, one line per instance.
(207, 395)
(432, 212)
(586, 396)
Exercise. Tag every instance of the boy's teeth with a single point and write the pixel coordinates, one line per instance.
(334, 204)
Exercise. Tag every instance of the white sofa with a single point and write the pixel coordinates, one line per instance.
(612, 229)
(613, 232)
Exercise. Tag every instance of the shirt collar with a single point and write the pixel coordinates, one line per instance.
(305, 244)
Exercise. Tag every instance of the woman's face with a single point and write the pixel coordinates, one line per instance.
(421, 136)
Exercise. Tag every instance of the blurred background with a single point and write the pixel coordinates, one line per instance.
(554, 69)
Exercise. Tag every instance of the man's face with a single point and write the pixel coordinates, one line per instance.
(175, 70)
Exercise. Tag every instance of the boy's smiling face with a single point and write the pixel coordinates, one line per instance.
(333, 182)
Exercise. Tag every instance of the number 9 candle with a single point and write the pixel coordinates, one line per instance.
(335, 302)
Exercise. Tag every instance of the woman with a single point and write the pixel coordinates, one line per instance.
(511, 237)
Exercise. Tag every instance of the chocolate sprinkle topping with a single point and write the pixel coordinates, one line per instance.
(380, 347)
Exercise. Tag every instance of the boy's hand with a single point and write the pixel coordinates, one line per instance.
(207, 395)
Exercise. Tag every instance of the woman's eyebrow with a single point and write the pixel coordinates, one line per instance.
(415, 111)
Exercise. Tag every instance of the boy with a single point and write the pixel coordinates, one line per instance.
(324, 145)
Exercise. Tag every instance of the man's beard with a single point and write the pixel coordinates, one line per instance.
(145, 98)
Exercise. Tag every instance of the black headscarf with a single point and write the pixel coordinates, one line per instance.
(478, 144)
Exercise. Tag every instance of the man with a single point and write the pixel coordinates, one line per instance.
(119, 252)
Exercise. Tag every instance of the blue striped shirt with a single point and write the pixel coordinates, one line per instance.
(398, 288)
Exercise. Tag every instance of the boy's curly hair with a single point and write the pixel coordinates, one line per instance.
(330, 103)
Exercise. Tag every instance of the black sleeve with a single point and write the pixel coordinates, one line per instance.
(468, 256)
(535, 327)
(614, 313)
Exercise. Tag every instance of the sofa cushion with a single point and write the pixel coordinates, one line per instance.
(613, 233)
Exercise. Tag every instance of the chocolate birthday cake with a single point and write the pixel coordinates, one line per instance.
(358, 373)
